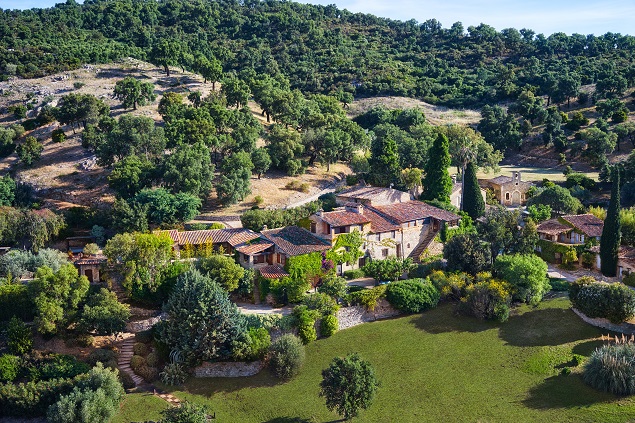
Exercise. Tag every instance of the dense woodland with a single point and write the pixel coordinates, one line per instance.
(320, 49)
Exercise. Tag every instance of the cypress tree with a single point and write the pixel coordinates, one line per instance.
(611, 233)
(473, 203)
(384, 163)
(437, 184)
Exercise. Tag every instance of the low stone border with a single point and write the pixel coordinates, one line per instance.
(356, 315)
(625, 328)
(229, 369)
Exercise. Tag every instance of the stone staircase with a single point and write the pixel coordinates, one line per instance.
(423, 245)
(125, 354)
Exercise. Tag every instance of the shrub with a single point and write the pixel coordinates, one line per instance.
(58, 135)
(126, 380)
(559, 285)
(611, 368)
(487, 299)
(323, 303)
(145, 336)
(413, 295)
(19, 337)
(9, 367)
(629, 279)
(33, 398)
(15, 301)
(149, 374)
(306, 328)
(615, 302)
(77, 85)
(185, 413)
(136, 362)
(101, 355)
(85, 340)
(368, 297)
(329, 325)
(266, 321)
(389, 269)
(354, 274)
(58, 366)
(526, 273)
(141, 349)
(152, 359)
(173, 374)
(451, 286)
(286, 356)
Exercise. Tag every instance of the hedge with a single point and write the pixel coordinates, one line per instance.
(412, 295)
(615, 302)
(32, 399)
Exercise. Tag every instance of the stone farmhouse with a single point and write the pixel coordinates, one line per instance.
(510, 191)
(625, 260)
(556, 236)
(457, 193)
(401, 228)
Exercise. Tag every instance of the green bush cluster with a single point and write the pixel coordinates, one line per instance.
(389, 269)
(9, 367)
(286, 356)
(141, 349)
(615, 302)
(487, 299)
(611, 368)
(277, 218)
(353, 274)
(15, 301)
(266, 321)
(412, 295)
(19, 337)
(173, 374)
(329, 325)
(33, 398)
(102, 355)
(367, 297)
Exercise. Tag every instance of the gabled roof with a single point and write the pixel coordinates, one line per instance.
(379, 223)
(274, 271)
(253, 247)
(295, 241)
(553, 227)
(586, 223)
(501, 179)
(415, 210)
(233, 236)
(343, 217)
(374, 194)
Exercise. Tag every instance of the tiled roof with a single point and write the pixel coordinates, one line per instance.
(587, 223)
(253, 247)
(274, 271)
(90, 260)
(415, 210)
(172, 233)
(232, 236)
(553, 227)
(344, 217)
(501, 179)
(625, 253)
(295, 241)
(374, 194)
(379, 223)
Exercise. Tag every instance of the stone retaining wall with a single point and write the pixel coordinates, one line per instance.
(625, 328)
(356, 315)
(141, 325)
(228, 369)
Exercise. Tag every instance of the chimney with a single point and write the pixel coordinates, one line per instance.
(359, 209)
(319, 212)
(264, 227)
(518, 174)
(454, 179)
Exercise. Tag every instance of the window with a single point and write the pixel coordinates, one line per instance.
(392, 234)
(507, 196)
(384, 252)
(408, 245)
(313, 227)
(259, 259)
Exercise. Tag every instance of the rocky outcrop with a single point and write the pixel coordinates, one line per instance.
(229, 369)
(141, 325)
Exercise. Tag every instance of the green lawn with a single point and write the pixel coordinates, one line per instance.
(436, 367)
(530, 173)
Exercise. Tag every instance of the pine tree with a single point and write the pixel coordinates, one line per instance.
(437, 184)
(473, 203)
(611, 233)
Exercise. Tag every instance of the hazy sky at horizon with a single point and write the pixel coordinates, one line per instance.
(543, 16)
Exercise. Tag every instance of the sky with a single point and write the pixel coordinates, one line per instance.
(543, 16)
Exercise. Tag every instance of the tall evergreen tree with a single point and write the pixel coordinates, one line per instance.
(384, 162)
(437, 184)
(611, 233)
(472, 203)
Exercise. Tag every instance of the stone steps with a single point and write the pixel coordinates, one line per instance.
(125, 354)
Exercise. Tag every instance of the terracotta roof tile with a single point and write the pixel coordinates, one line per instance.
(233, 236)
(295, 241)
(274, 271)
(415, 210)
(381, 194)
(587, 223)
(379, 223)
(553, 227)
(253, 247)
(344, 218)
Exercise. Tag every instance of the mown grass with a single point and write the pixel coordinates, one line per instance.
(531, 173)
(437, 366)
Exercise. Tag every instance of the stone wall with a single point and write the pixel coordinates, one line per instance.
(625, 328)
(141, 325)
(356, 315)
(228, 369)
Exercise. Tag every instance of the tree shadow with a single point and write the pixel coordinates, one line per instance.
(564, 392)
(207, 387)
(289, 420)
(542, 327)
(586, 348)
(445, 319)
